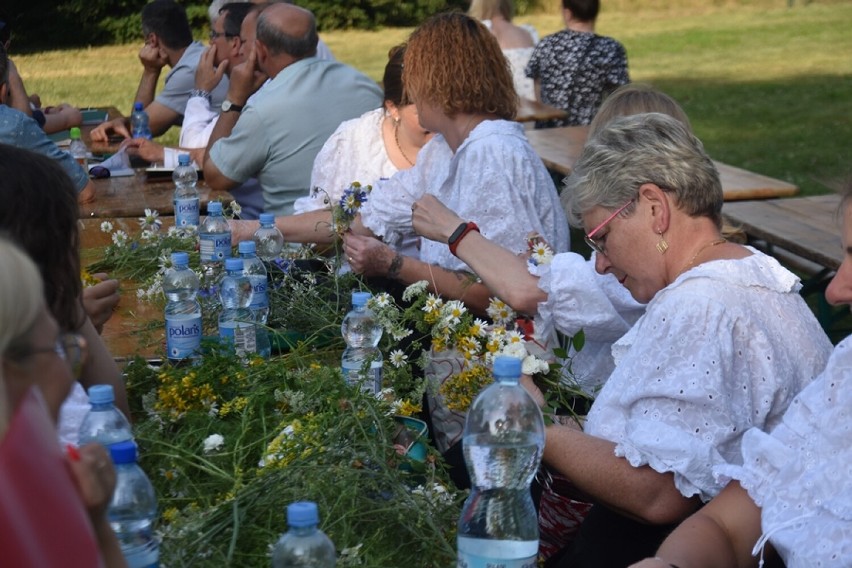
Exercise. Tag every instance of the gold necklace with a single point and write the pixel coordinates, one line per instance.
(702, 249)
(398, 145)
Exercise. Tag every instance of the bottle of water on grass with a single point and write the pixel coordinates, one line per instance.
(304, 545)
(236, 322)
(503, 442)
(362, 360)
(183, 312)
(104, 423)
(255, 270)
(133, 509)
(186, 195)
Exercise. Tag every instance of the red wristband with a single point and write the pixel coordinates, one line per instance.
(459, 234)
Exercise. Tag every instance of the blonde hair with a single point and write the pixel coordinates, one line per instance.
(485, 9)
(454, 63)
(21, 300)
(636, 98)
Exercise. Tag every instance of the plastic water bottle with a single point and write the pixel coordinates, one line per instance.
(503, 442)
(236, 322)
(255, 270)
(78, 149)
(133, 509)
(186, 195)
(362, 333)
(303, 545)
(214, 235)
(139, 122)
(104, 423)
(183, 312)
(268, 239)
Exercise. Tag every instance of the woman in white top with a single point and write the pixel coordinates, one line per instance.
(376, 145)
(795, 484)
(724, 344)
(517, 42)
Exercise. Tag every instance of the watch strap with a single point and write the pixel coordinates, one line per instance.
(461, 231)
(231, 106)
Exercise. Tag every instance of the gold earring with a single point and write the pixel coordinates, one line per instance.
(662, 245)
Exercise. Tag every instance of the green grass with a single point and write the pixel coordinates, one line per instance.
(766, 86)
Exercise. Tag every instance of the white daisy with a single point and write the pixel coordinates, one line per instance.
(120, 238)
(398, 358)
(106, 227)
(151, 220)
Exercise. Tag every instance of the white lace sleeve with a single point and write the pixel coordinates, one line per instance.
(355, 152)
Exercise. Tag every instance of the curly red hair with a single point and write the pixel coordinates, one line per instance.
(453, 62)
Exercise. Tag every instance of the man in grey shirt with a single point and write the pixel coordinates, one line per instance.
(279, 133)
(168, 41)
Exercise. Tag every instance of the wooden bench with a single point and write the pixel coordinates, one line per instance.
(803, 233)
(560, 148)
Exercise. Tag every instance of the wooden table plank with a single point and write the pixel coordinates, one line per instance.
(130, 196)
(530, 110)
(806, 226)
(560, 148)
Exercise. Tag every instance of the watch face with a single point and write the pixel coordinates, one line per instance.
(226, 105)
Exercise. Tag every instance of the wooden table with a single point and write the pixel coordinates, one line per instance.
(530, 110)
(130, 196)
(129, 331)
(804, 234)
(560, 148)
(806, 227)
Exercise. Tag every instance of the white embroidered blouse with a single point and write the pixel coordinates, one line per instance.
(800, 475)
(722, 349)
(495, 179)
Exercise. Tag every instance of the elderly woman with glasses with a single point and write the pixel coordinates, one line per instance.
(41, 215)
(52, 506)
(724, 344)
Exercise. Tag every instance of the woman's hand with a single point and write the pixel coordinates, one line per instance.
(91, 467)
(367, 255)
(100, 300)
(434, 220)
(242, 230)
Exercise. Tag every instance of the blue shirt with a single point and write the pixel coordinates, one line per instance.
(21, 131)
(286, 123)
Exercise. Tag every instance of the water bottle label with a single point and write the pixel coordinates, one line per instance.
(215, 247)
(186, 212)
(488, 553)
(183, 336)
(259, 298)
(370, 382)
(241, 335)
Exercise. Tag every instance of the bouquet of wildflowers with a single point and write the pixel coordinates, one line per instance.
(448, 325)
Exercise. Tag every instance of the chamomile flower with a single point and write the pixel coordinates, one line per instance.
(120, 238)
(106, 227)
(398, 358)
(499, 311)
(151, 220)
(453, 311)
(541, 254)
(236, 209)
(382, 300)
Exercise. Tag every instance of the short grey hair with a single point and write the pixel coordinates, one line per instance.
(638, 149)
(278, 42)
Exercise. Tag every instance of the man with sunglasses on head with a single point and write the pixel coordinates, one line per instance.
(168, 41)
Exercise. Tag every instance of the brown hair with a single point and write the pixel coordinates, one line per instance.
(455, 63)
(392, 79)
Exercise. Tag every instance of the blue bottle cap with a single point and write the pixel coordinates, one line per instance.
(180, 258)
(507, 367)
(183, 159)
(266, 218)
(138, 105)
(214, 207)
(302, 514)
(101, 394)
(123, 452)
(246, 247)
(232, 264)
(360, 298)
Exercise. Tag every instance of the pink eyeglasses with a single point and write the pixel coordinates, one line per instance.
(598, 246)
